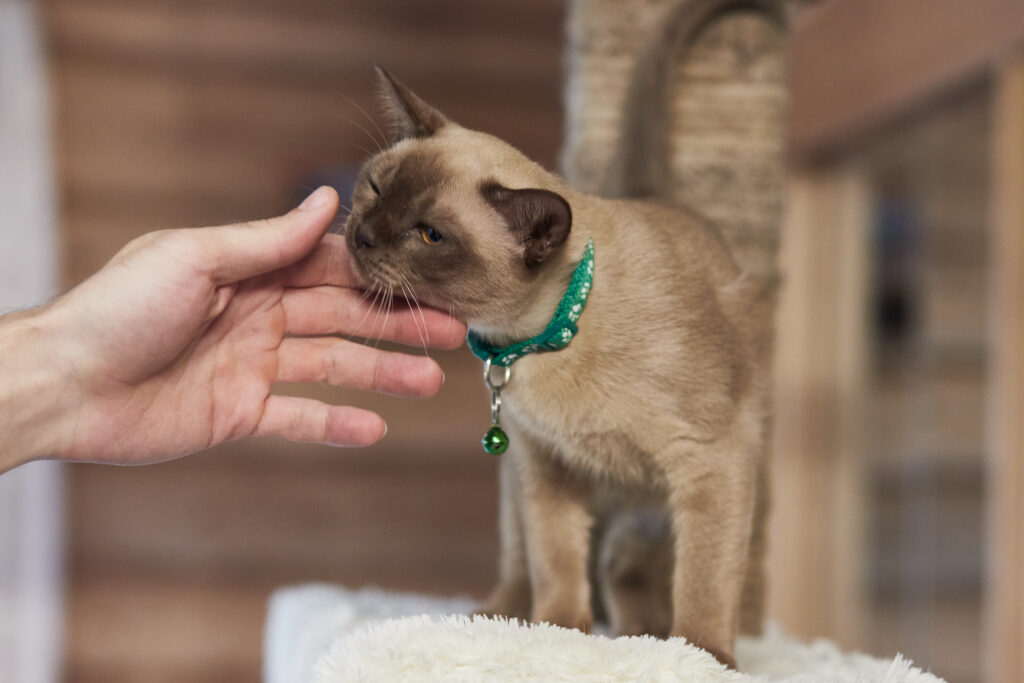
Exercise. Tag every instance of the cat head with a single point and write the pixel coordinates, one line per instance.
(455, 218)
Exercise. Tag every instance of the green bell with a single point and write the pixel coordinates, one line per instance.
(495, 441)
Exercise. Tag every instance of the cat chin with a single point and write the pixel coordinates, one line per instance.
(368, 277)
(488, 331)
(499, 335)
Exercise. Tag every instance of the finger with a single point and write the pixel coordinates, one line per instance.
(310, 421)
(330, 263)
(234, 252)
(348, 364)
(337, 310)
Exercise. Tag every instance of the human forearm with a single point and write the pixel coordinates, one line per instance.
(36, 392)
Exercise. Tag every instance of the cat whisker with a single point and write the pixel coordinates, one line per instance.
(358, 125)
(451, 314)
(410, 296)
(365, 295)
(364, 150)
(340, 222)
(387, 315)
(372, 306)
(369, 118)
(375, 331)
(338, 225)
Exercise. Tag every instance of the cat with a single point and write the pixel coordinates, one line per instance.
(659, 395)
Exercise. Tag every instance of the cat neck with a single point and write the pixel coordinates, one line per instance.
(540, 306)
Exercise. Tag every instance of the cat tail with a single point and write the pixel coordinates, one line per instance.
(683, 102)
(641, 165)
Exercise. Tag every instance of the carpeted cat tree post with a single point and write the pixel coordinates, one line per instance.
(713, 142)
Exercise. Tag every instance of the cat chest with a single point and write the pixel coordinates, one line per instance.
(587, 432)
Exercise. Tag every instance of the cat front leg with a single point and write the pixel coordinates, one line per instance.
(557, 517)
(711, 499)
(512, 596)
(754, 587)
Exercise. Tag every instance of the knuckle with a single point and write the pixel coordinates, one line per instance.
(142, 242)
(297, 420)
(381, 374)
(254, 224)
(332, 367)
(174, 243)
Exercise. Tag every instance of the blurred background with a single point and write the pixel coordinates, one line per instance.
(898, 490)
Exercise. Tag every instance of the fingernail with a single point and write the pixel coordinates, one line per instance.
(444, 377)
(315, 200)
(385, 430)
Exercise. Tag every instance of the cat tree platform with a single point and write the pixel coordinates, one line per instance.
(328, 634)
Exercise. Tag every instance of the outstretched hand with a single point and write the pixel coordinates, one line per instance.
(173, 346)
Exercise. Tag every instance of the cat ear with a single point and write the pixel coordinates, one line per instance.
(541, 219)
(411, 116)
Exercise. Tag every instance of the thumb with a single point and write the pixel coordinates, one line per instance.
(237, 252)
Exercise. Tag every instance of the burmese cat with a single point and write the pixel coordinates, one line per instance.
(659, 396)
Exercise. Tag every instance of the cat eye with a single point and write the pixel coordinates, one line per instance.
(373, 186)
(428, 234)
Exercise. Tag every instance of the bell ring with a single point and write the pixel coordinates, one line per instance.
(495, 441)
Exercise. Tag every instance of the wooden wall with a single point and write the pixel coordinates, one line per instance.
(1004, 599)
(924, 417)
(859, 65)
(171, 113)
(190, 112)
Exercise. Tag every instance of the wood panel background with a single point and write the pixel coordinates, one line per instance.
(172, 113)
(858, 65)
(1004, 620)
(196, 112)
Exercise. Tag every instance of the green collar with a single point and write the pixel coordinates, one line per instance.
(559, 331)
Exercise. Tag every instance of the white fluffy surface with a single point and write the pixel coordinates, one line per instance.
(327, 634)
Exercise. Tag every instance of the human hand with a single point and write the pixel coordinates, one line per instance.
(173, 346)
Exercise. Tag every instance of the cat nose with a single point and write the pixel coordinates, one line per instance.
(364, 238)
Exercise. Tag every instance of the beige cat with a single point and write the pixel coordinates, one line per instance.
(659, 396)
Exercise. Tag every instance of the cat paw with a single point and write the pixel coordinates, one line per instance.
(641, 627)
(509, 601)
(722, 657)
(565, 616)
(721, 648)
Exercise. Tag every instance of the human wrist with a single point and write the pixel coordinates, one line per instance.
(34, 396)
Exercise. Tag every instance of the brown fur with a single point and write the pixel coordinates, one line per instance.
(660, 395)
